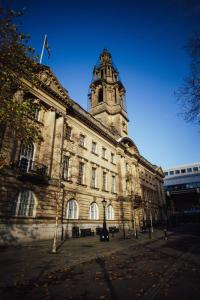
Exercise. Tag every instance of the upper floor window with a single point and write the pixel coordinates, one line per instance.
(112, 158)
(100, 95)
(36, 112)
(68, 132)
(195, 169)
(93, 181)
(177, 171)
(94, 212)
(171, 172)
(25, 205)
(113, 184)
(104, 181)
(26, 156)
(189, 170)
(82, 140)
(65, 167)
(94, 147)
(109, 212)
(165, 173)
(72, 209)
(103, 152)
(183, 171)
(81, 178)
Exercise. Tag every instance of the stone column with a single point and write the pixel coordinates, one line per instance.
(46, 148)
(57, 149)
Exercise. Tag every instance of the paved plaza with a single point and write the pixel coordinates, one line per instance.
(86, 268)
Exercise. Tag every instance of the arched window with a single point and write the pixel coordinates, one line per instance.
(26, 156)
(109, 212)
(25, 205)
(100, 96)
(72, 209)
(94, 211)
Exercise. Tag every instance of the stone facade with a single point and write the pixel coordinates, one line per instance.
(84, 158)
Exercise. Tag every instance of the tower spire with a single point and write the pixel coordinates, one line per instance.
(107, 95)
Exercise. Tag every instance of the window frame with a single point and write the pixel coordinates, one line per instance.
(110, 213)
(18, 205)
(95, 211)
(75, 210)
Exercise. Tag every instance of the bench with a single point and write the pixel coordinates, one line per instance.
(86, 232)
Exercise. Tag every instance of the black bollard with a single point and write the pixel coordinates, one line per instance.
(149, 229)
(165, 234)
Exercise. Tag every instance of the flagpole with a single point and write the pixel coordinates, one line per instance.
(41, 56)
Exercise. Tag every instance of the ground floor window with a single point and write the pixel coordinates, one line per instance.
(94, 212)
(109, 213)
(72, 209)
(25, 205)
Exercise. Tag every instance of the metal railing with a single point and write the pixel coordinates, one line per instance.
(30, 166)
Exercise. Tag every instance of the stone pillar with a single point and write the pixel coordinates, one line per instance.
(46, 148)
(57, 149)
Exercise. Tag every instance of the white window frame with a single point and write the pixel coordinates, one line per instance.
(27, 154)
(94, 211)
(75, 210)
(94, 147)
(94, 180)
(109, 212)
(104, 152)
(104, 184)
(81, 179)
(82, 140)
(25, 196)
(66, 174)
(113, 184)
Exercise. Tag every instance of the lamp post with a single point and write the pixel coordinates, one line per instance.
(104, 202)
(104, 236)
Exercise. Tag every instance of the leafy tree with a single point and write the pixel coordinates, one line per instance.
(189, 93)
(17, 61)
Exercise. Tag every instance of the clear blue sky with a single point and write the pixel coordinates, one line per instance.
(146, 40)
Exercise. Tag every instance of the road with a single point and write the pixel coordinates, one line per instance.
(160, 269)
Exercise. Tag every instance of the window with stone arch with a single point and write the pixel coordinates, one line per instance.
(25, 205)
(26, 156)
(72, 209)
(94, 211)
(109, 212)
(100, 95)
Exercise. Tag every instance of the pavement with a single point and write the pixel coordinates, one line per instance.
(86, 268)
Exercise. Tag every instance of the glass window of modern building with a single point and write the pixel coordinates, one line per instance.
(177, 171)
(189, 170)
(171, 172)
(183, 171)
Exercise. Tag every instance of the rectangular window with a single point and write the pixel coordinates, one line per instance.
(113, 184)
(189, 170)
(183, 171)
(165, 173)
(195, 169)
(171, 172)
(112, 158)
(68, 132)
(104, 152)
(81, 173)
(93, 181)
(104, 183)
(65, 168)
(82, 140)
(177, 171)
(94, 147)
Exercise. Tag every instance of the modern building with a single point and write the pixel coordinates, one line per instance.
(182, 188)
(85, 157)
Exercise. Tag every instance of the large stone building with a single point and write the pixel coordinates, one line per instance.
(84, 158)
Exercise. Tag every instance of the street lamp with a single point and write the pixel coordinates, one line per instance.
(104, 236)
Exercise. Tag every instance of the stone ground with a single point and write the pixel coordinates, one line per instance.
(86, 268)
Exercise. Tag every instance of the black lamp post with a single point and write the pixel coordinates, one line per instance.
(104, 202)
(104, 236)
